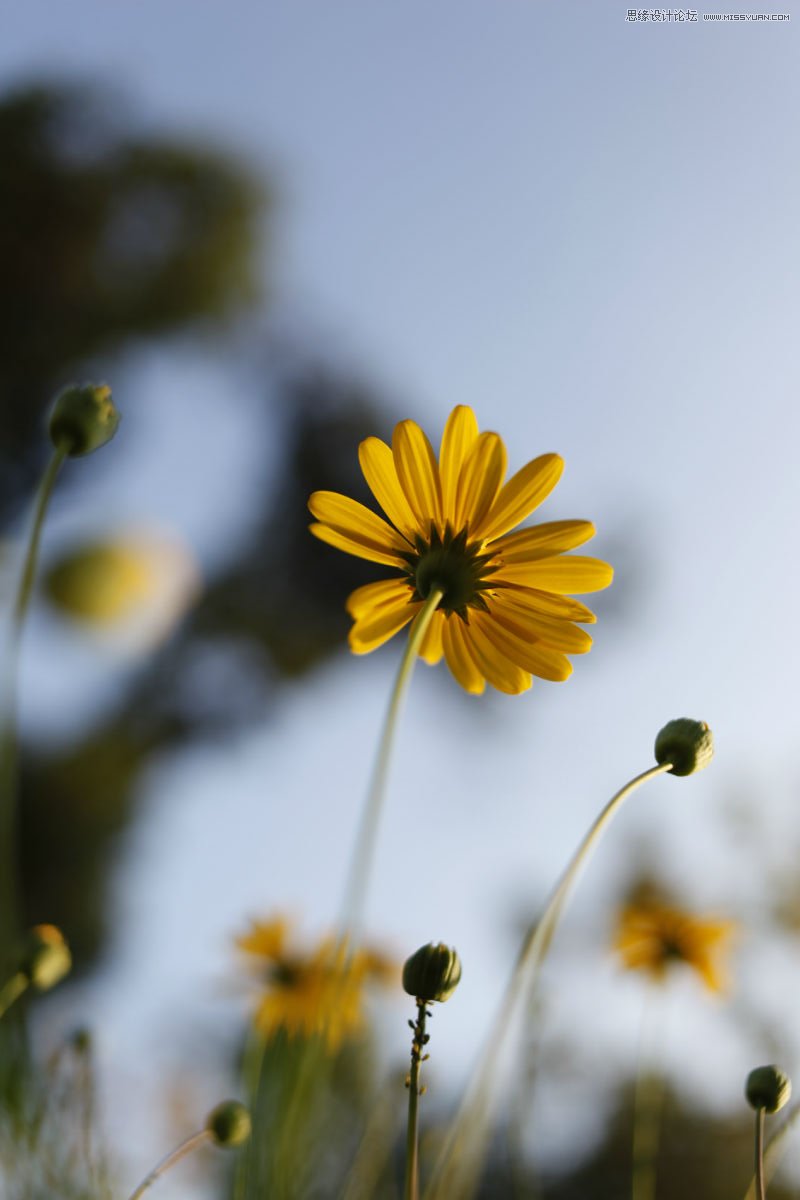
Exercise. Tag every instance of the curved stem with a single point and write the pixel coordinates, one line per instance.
(8, 723)
(455, 1176)
(774, 1152)
(12, 991)
(414, 1093)
(173, 1157)
(761, 1190)
(363, 853)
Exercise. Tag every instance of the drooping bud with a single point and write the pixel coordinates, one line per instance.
(229, 1123)
(687, 744)
(768, 1088)
(433, 973)
(46, 958)
(83, 419)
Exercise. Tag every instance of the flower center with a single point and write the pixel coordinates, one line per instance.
(452, 564)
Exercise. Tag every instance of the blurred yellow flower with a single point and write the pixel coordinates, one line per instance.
(116, 582)
(311, 992)
(652, 937)
(505, 614)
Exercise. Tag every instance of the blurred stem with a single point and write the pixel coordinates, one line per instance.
(647, 1106)
(12, 991)
(459, 1164)
(775, 1152)
(363, 854)
(761, 1190)
(8, 721)
(171, 1159)
(414, 1092)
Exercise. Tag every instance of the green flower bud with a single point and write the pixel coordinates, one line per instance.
(687, 744)
(46, 958)
(432, 973)
(768, 1088)
(229, 1123)
(83, 419)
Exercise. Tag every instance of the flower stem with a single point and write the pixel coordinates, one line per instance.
(414, 1093)
(774, 1152)
(8, 723)
(761, 1189)
(456, 1173)
(12, 991)
(171, 1159)
(358, 880)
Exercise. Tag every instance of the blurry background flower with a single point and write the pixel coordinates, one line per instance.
(654, 935)
(136, 586)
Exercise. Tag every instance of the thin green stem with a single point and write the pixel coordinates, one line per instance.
(761, 1188)
(358, 879)
(171, 1159)
(647, 1102)
(414, 1093)
(12, 991)
(775, 1152)
(8, 722)
(456, 1174)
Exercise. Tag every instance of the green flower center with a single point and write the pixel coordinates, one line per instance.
(452, 564)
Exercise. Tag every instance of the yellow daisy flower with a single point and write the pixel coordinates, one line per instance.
(652, 937)
(311, 992)
(506, 614)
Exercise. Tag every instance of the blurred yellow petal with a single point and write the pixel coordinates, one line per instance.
(372, 595)
(460, 432)
(459, 660)
(524, 492)
(431, 649)
(377, 625)
(418, 473)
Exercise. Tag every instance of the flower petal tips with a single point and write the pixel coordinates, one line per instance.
(506, 613)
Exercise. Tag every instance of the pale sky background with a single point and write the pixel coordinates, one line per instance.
(587, 229)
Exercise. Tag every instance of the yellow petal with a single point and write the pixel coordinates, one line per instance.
(546, 604)
(431, 649)
(460, 432)
(418, 474)
(542, 541)
(379, 624)
(372, 595)
(377, 463)
(524, 492)
(350, 546)
(481, 476)
(526, 624)
(531, 656)
(460, 662)
(494, 665)
(565, 573)
(354, 520)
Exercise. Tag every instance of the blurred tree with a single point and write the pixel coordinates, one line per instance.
(106, 237)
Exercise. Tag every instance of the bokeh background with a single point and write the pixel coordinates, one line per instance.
(277, 228)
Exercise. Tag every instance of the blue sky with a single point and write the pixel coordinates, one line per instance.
(586, 229)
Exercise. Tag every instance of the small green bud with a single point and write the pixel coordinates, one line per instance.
(433, 973)
(687, 744)
(83, 419)
(768, 1088)
(46, 958)
(229, 1123)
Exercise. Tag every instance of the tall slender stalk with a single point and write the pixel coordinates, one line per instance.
(459, 1164)
(414, 1093)
(363, 853)
(8, 704)
(170, 1160)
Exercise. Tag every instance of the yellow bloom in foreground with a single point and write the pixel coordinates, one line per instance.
(506, 614)
(653, 937)
(311, 992)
